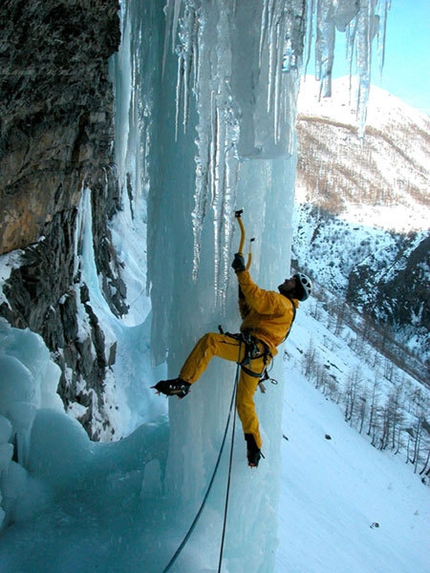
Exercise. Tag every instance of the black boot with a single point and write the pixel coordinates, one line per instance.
(254, 454)
(176, 387)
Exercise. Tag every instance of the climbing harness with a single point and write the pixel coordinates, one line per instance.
(202, 505)
(251, 354)
(252, 351)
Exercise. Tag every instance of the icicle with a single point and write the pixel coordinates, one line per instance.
(185, 52)
(362, 21)
(368, 24)
(179, 76)
(172, 11)
(344, 12)
(133, 71)
(324, 47)
(177, 9)
(22, 415)
(263, 29)
(386, 5)
(217, 129)
(309, 32)
(217, 180)
(293, 33)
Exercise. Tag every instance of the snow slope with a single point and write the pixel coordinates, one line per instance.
(344, 506)
(333, 491)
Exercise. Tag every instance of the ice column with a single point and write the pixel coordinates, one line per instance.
(235, 86)
(366, 29)
(134, 70)
(236, 58)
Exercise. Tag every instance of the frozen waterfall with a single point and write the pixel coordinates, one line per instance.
(212, 131)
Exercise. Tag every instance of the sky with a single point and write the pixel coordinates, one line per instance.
(406, 72)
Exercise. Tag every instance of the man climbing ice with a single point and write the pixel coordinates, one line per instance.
(267, 317)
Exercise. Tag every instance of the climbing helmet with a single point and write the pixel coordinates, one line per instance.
(306, 285)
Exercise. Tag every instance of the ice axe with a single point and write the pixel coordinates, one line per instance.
(238, 215)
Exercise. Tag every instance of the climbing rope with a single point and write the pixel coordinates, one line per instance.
(227, 494)
(198, 514)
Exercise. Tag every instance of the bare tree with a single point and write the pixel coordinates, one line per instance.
(352, 393)
(310, 360)
(426, 431)
(340, 318)
(374, 411)
(392, 418)
(363, 408)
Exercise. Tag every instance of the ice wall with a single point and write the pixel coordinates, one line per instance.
(215, 133)
(66, 503)
(206, 98)
(202, 88)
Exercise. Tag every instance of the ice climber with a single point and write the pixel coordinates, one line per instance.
(267, 319)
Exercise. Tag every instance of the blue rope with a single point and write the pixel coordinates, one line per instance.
(197, 517)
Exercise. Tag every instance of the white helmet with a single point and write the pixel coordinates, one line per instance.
(306, 284)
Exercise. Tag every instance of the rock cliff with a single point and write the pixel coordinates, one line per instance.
(56, 138)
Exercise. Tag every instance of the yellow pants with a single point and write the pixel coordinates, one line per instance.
(228, 348)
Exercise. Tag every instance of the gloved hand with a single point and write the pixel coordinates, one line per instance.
(239, 263)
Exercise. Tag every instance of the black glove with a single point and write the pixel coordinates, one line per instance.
(239, 263)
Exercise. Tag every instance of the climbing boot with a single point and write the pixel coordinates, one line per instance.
(176, 387)
(253, 453)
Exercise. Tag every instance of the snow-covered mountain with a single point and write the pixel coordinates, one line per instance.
(363, 209)
(381, 180)
(361, 229)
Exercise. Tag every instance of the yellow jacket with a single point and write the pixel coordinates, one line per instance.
(267, 315)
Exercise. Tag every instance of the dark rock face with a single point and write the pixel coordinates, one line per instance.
(55, 108)
(56, 137)
(396, 292)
